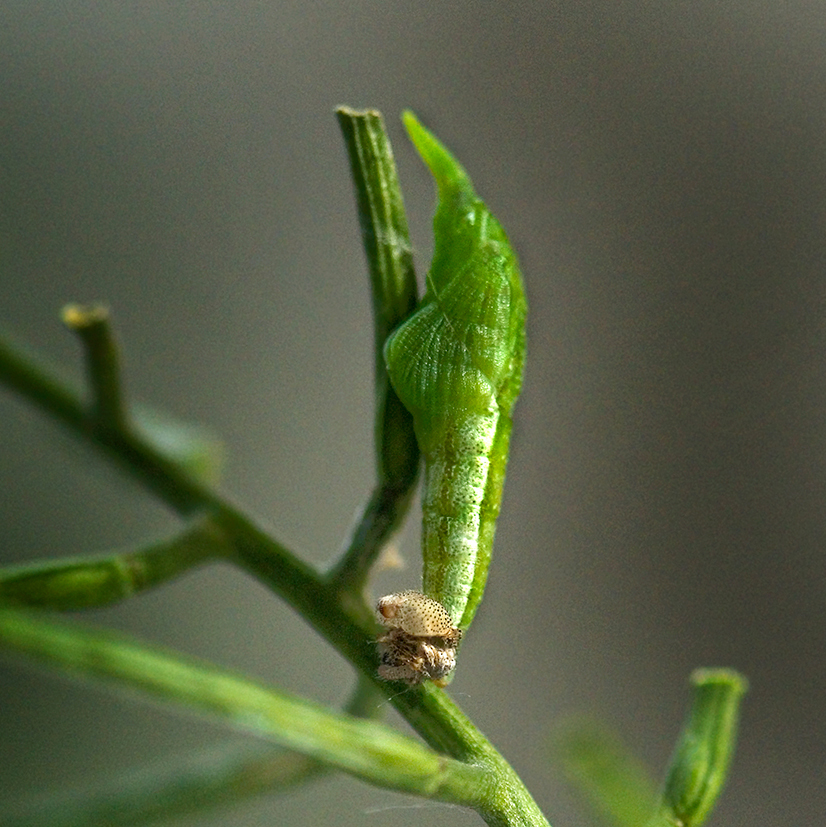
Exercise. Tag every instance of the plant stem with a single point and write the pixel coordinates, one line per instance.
(386, 243)
(704, 750)
(369, 750)
(86, 582)
(102, 362)
(504, 799)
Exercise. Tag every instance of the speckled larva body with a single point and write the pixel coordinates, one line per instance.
(454, 510)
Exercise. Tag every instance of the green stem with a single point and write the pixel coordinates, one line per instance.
(366, 749)
(387, 248)
(504, 800)
(184, 785)
(383, 221)
(102, 362)
(82, 583)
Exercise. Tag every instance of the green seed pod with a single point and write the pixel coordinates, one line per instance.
(701, 760)
(456, 364)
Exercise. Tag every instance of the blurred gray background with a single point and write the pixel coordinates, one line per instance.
(661, 169)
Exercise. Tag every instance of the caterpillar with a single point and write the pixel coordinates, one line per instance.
(456, 364)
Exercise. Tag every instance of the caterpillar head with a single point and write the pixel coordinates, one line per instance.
(417, 616)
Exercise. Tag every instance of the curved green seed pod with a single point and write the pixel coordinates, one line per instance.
(456, 364)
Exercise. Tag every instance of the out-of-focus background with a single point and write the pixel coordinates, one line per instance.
(661, 169)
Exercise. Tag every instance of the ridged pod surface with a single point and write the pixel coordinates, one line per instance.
(456, 364)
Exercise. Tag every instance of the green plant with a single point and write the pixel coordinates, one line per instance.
(456, 763)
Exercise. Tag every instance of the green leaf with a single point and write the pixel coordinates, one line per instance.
(608, 775)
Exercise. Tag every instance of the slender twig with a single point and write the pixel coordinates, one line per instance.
(383, 221)
(179, 785)
(701, 759)
(92, 325)
(387, 248)
(369, 750)
(86, 582)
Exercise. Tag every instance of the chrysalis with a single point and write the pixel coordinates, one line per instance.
(456, 364)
